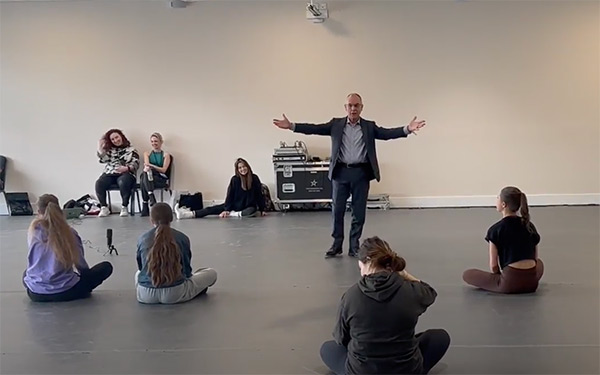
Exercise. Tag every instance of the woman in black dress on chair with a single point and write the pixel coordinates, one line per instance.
(156, 165)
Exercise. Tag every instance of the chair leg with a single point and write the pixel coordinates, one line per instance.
(139, 202)
(108, 201)
(132, 204)
(162, 197)
(135, 195)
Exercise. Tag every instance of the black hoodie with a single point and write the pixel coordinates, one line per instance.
(376, 322)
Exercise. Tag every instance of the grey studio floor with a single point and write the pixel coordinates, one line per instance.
(276, 298)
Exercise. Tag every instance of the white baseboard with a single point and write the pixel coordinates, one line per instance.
(490, 200)
(480, 201)
(3, 205)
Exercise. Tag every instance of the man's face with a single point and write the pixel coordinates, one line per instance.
(353, 107)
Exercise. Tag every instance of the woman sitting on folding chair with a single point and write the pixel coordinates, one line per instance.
(121, 162)
(155, 176)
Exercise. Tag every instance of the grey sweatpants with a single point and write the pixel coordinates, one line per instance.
(190, 288)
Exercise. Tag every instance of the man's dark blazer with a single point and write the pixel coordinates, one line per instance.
(335, 129)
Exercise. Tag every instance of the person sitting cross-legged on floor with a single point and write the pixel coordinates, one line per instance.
(375, 329)
(57, 270)
(164, 263)
(513, 249)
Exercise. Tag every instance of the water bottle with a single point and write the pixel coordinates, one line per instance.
(150, 177)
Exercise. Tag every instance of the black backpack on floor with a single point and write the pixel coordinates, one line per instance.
(269, 206)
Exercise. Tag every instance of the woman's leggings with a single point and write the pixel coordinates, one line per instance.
(510, 281)
(216, 210)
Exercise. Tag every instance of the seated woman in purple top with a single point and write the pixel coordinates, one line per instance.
(55, 252)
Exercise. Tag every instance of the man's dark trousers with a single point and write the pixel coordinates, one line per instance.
(349, 180)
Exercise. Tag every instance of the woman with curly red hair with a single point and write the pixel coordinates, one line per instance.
(121, 162)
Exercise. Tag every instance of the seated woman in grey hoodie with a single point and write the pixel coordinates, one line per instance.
(375, 330)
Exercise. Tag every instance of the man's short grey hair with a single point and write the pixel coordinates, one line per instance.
(354, 94)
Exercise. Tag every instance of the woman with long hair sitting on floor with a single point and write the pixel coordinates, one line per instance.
(164, 263)
(57, 270)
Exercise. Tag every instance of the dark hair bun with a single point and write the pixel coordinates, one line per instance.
(398, 263)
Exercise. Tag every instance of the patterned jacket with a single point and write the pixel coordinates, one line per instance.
(117, 157)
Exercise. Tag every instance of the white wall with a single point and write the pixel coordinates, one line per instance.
(510, 90)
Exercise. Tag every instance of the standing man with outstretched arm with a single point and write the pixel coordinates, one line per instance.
(353, 164)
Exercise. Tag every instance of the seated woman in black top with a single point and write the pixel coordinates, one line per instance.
(244, 197)
(513, 249)
(375, 330)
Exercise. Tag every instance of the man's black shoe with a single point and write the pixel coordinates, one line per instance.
(333, 251)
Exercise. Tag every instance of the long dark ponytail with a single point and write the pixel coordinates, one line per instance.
(516, 200)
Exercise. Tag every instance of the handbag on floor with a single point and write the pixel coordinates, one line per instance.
(192, 201)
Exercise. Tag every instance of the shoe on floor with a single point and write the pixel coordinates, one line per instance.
(333, 251)
(124, 212)
(104, 211)
(183, 213)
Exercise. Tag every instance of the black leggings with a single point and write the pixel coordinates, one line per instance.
(88, 281)
(147, 186)
(125, 181)
(216, 210)
(433, 344)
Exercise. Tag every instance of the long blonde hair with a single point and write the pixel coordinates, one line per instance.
(164, 258)
(60, 237)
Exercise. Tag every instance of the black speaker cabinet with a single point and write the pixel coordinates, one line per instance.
(18, 204)
(303, 182)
